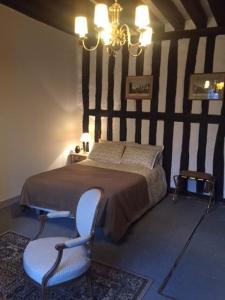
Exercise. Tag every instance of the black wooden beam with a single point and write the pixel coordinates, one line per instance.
(218, 8)
(210, 31)
(56, 13)
(196, 12)
(170, 12)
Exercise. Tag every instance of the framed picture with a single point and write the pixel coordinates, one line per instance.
(207, 86)
(139, 87)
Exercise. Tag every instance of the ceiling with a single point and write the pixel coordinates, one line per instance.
(172, 14)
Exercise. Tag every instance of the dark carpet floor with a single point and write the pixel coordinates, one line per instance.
(200, 272)
(153, 244)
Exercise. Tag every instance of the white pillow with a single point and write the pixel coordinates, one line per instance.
(142, 156)
(107, 152)
(158, 148)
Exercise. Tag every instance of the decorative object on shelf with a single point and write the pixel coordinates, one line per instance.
(85, 138)
(113, 35)
(77, 149)
(207, 86)
(139, 87)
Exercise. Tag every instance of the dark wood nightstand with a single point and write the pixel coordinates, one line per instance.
(77, 157)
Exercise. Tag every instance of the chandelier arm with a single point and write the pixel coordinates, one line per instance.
(137, 54)
(126, 27)
(92, 48)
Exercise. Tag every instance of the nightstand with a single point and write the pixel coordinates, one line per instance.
(77, 157)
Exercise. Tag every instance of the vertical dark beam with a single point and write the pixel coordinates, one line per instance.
(139, 71)
(218, 159)
(110, 99)
(85, 87)
(156, 61)
(125, 63)
(202, 141)
(187, 104)
(98, 93)
(170, 108)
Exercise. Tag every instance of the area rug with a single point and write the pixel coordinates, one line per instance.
(108, 282)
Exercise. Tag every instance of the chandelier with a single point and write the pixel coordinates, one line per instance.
(111, 33)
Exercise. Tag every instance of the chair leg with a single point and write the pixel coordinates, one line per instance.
(43, 292)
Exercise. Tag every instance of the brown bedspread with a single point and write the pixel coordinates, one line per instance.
(125, 194)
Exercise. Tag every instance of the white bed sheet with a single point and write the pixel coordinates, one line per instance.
(155, 178)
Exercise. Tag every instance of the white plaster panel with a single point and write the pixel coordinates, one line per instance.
(130, 130)
(104, 128)
(218, 66)
(163, 76)
(131, 103)
(183, 45)
(117, 81)
(145, 131)
(199, 68)
(116, 129)
(211, 140)
(176, 152)
(193, 146)
(92, 80)
(160, 133)
(105, 63)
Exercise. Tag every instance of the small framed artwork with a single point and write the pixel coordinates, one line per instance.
(207, 86)
(139, 87)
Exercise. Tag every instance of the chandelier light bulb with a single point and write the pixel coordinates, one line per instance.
(101, 16)
(142, 16)
(146, 37)
(81, 26)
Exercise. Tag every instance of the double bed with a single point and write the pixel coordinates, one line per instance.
(129, 189)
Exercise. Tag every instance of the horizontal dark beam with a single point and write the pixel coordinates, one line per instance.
(176, 117)
(210, 31)
(170, 12)
(196, 12)
(56, 13)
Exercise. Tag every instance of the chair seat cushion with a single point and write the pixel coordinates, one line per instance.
(40, 255)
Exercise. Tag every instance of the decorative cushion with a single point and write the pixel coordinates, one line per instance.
(40, 255)
(158, 148)
(107, 152)
(136, 155)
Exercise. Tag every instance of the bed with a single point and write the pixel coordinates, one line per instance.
(130, 189)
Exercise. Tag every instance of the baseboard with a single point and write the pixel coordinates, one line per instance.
(8, 202)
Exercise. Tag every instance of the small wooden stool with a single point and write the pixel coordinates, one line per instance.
(206, 178)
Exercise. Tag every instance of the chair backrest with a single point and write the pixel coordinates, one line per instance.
(87, 210)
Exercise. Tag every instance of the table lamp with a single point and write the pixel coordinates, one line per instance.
(85, 138)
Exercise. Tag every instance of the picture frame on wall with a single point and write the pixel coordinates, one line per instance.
(207, 86)
(139, 87)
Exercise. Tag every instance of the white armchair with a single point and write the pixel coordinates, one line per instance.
(55, 260)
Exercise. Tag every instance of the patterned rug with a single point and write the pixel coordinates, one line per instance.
(108, 282)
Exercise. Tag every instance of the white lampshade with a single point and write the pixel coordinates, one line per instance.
(207, 84)
(106, 35)
(101, 17)
(146, 37)
(81, 26)
(85, 137)
(142, 18)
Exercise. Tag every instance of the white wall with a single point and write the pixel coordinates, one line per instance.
(214, 106)
(40, 99)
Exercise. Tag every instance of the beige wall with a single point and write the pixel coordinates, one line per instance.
(40, 99)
